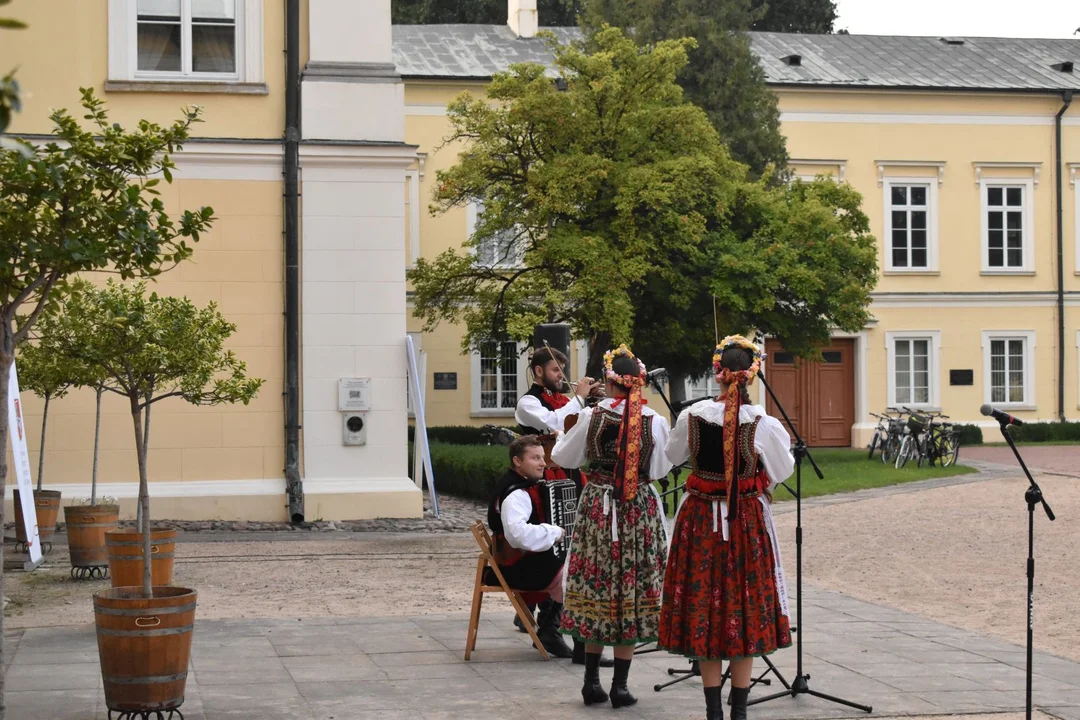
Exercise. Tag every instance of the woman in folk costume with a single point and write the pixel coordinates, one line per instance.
(724, 593)
(615, 573)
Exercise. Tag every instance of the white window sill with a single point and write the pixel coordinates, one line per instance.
(918, 271)
(226, 87)
(492, 413)
(1022, 272)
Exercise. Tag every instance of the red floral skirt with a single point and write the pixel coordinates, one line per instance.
(721, 599)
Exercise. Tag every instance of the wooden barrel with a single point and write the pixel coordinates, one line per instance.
(47, 505)
(126, 557)
(86, 528)
(144, 646)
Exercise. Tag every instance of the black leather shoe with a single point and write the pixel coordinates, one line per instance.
(739, 696)
(579, 656)
(714, 708)
(553, 643)
(592, 692)
(620, 694)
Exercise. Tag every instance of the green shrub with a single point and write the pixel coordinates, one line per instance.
(456, 434)
(468, 471)
(1046, 432)
(969, 434)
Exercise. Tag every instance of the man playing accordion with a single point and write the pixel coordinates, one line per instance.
(525, 541)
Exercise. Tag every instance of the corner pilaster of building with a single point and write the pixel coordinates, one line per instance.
(353, 161)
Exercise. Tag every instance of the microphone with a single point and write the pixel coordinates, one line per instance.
(1002, 417)
(653, 374)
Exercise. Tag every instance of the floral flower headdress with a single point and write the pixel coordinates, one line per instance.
(732, 377)
(627, 381)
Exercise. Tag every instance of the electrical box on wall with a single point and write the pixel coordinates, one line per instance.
(354, 428)
(354, 394)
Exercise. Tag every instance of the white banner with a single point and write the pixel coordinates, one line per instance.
(22, 467)
(420, 438)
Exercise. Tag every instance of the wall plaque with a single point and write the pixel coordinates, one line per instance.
(961, 377)
(446, 381)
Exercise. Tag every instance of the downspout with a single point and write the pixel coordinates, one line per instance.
(293, 484)
(1067, 97)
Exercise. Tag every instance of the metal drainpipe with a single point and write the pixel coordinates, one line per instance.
(293, 484)
(1067, 97)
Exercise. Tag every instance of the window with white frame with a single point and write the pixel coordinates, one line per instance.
(702, 387)
(505, 249)
(1008, 359)
(910, 218)
(1007, 225)
(185, 41)
(498, 369)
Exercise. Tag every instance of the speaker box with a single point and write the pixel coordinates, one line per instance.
(557, 336)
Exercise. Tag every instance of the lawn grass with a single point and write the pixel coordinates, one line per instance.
(847, 470)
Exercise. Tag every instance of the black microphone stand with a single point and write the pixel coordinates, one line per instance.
(800, 685)
(1032, 496)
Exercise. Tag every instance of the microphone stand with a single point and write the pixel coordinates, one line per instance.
(800, 685)
(1032, 496)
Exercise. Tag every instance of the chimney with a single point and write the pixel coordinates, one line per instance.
(522, 18)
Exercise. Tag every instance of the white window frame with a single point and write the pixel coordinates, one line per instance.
(474, 385)
(124, 52)
(472, 212)
(934, 359)
(931, 185)
(582, 347)
(707, 385)
(1028, 184)
(1073, 168)
(839, 168)
(1028, 336)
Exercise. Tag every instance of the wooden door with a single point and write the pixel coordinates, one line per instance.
(819, 397)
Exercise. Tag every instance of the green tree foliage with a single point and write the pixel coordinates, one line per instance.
(723, 76)
(151, 348)
(795, 16)
(9, 92)
(553, 13)
(629, 215)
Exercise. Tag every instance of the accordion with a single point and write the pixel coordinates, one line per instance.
(560, 506)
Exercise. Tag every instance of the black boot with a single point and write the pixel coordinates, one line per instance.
(739, 697)
(620, 694)
(592, 692)
(517, 620)
(549, 631)
(714, 708)
(579, 656)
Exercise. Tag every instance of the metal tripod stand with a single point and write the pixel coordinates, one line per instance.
(801, 684)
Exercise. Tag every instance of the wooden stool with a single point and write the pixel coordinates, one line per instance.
(487, 560)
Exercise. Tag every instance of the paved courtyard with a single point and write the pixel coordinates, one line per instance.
(412, 667)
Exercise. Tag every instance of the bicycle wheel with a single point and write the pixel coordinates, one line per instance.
(923, 449)
(950, 450)
(889, 448)
(902, 455)
(873, 447)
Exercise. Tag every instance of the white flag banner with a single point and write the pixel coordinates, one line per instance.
(17, 431)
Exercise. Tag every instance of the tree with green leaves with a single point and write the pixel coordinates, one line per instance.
(151, 348)
(84, 202)
(553, 13)
(722, 76)
(627, 215)
(795, 16)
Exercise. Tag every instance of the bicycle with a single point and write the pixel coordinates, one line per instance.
(942, 444)
(913, 443)
(881, 432)
(894, 437)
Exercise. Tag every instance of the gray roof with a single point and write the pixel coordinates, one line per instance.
(870, 61)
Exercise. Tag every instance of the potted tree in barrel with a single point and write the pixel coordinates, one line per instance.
(153, 348)
(61, 335)
(47, 375)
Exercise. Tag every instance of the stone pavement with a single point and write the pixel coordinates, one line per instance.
(399, 668)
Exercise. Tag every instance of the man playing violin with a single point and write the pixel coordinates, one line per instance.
(542, 411)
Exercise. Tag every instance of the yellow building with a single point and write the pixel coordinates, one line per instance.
(952, 143)
(338, 313)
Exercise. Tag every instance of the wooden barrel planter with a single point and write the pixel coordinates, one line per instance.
(144, 646)
(47, 506)
(86, 528)
(125, 549)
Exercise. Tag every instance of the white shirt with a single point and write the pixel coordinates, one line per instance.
(515, 512)
(571, 449)
(531, 413)
(771, 441)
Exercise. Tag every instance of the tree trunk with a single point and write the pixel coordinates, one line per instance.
(97, 436)
(7, 357)
(599, 344)
(41, 453)
(140, 518)
(144, 494)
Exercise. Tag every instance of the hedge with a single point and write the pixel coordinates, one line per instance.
(468, 471)
(456, 434)
(1045, 432)
(969, 434)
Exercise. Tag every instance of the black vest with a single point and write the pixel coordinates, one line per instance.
(603, 451)
(537, 392)
(707, 449)
(534, 570)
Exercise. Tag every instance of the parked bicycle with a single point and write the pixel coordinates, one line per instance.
(928, 440)
(887, 427)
